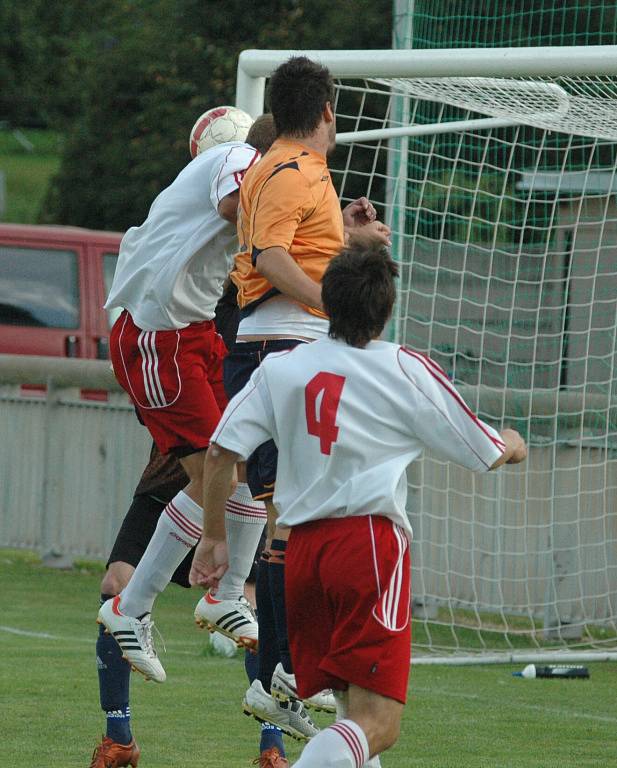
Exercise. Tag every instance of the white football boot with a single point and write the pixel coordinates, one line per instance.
(134, 636)
(283, 687)
(233, 618)
(290, 716)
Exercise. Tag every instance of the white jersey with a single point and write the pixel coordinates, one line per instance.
(171, 269)
(348, 422)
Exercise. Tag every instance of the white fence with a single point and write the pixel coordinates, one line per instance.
(545, 539)
(68, 466)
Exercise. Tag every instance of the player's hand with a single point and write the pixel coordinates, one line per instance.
(516, 445)
(358, 213)
(210, 562)
(375, 232)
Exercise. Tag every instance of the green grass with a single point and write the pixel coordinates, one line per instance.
(457, 717)
(27, 174)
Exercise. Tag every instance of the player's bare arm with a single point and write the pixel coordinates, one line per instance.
(281, 271)
(515, 450)
(211, 559)
(228, 207)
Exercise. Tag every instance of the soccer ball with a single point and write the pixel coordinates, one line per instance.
(217, 126)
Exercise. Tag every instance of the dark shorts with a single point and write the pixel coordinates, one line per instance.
(238, 366)
(136, 531)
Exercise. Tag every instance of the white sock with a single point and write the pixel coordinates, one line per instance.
(342, 745)
(341, 699)
(178, 529)
(244, 522)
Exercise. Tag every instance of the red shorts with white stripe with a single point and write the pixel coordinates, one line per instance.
(348, 597)
(175, 380)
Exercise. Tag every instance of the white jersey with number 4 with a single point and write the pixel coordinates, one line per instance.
(171, 269)
(347, 423)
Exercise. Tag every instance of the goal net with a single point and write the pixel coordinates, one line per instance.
(501, 194)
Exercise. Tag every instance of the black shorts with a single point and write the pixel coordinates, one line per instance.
(136, 531)
(238, 366)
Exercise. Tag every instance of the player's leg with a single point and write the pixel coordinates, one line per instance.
(227, 611)
(290, 715)
(166, 374)
(177, 532)
(118, 746)
(360, 600)
(371, 725)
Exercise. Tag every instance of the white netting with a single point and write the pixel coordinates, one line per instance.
(580, 106)
(507, 240)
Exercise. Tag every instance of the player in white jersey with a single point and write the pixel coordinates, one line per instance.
(348, 414)
(167, 355)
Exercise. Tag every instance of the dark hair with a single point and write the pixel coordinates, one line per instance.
(298, 93)
(262, 133)
(358, 293)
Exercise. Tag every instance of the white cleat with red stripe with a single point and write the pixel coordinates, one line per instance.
(134, 636)
(233, 618)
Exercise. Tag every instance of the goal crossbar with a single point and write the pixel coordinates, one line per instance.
(255, 65)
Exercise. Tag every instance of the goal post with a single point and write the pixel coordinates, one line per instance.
(497, 171)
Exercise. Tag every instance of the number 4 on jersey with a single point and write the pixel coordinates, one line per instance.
(323, 426)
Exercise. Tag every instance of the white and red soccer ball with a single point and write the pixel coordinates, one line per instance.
(217, 126)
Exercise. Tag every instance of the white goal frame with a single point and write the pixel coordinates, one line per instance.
(254, 67)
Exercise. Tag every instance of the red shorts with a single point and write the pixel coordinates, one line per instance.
(175, 380)
(348, 597)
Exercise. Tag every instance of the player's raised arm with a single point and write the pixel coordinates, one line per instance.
(444, 422)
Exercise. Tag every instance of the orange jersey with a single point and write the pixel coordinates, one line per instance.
(286, 200)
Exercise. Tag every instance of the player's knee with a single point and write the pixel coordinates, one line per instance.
(116, 578)
(381, 734)
(378, 716)
(389, 733)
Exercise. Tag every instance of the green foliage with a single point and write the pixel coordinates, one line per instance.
(150, 68)
(27, 173)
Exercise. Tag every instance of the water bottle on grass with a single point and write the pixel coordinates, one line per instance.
(554, 671)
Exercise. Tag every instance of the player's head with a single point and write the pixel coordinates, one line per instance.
(262, 133)
(300, 92)
(358, 293)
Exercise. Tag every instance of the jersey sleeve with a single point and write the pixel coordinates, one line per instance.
(248, 420)
(441, 419)
(229, 171)
(282, 203)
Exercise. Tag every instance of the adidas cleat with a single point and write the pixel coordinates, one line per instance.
(290, 716)
(233, 618)
(134, 636)
(283, 687)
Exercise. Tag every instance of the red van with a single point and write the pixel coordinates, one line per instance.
(53, 284)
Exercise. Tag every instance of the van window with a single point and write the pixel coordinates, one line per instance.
(109, 267)
(39, 287)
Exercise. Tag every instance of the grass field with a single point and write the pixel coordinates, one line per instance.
(456, 717)
(27, 174)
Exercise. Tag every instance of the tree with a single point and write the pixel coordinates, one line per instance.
(153, 67)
